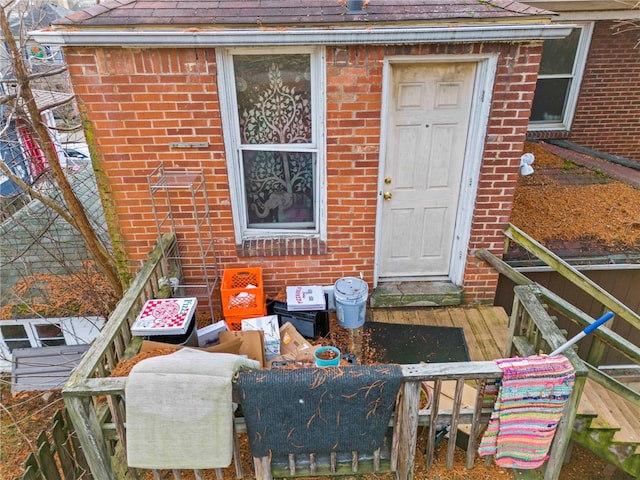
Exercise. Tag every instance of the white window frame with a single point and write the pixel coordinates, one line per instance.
(576, 75)
(75, 331)
(232, 142)
(31, 334)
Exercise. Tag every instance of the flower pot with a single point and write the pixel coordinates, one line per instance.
(327, 356)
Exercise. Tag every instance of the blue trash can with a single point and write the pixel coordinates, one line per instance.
(351, 295)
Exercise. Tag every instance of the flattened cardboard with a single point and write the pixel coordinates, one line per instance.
(269, 325)
(252, 343)
(233, 347)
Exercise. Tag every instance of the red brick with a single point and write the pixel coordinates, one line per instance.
(165, 101)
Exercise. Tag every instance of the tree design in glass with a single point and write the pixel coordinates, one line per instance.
(274, 108)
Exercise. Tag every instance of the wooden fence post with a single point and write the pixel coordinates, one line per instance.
(83, 416)
(408, 425)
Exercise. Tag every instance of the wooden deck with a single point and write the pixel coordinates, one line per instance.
(486, 333)
(485, 327)
(100, 427)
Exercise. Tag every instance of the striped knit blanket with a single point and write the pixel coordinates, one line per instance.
(530, 402)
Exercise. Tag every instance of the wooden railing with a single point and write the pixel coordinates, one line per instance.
(603, 336)
(532, 331)
(100, 423)
(85, 406)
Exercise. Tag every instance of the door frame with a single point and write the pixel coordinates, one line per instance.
(474, 147)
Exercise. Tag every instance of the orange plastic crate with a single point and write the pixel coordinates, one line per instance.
(242, 292)
(235, 322)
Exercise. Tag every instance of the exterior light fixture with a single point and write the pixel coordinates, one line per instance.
(526, 161)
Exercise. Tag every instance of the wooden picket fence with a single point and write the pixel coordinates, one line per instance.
(58, 454)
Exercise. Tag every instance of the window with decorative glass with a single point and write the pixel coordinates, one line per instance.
(561, 67)
(272, 130)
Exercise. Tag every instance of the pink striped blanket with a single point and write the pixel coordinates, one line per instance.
(530, 402)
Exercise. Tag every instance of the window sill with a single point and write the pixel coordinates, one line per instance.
(281, 247)
(547, 134)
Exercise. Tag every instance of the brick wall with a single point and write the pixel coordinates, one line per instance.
(607, 117)
(511, 103)
(137, 101)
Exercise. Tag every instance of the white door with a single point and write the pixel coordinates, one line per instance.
(428, 120)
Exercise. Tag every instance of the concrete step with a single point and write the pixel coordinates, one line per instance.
(415, 294)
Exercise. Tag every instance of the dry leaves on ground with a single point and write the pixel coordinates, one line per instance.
(546, 209)
(22, 417)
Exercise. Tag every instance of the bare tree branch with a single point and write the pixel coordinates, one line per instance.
(48, 73)
(38, 196)
(76, 216)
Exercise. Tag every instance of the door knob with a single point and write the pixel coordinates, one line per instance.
(387, 195)
(387, 180)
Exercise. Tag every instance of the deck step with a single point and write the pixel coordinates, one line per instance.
(486, 332)
(586, 408)
(415, 294)
(615, 412)
(614, 433)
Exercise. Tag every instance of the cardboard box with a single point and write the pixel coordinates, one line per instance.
(269, 325)
(252, 343)
(307, 297)
(229, 347)
(291, 342)
(165, 316)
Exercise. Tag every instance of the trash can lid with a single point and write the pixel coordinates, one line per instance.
(351, 287)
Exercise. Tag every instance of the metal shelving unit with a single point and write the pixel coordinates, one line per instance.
(181, 205)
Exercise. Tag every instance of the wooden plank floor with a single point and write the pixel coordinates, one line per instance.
(485, 330)
(485, 327)
(486, 333)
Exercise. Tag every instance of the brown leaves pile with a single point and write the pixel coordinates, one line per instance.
(83, 293)
(608, 213)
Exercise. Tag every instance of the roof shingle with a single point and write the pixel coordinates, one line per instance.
(251, 13)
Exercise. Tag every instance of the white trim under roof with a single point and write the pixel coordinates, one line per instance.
(582, 5)
(302, 36)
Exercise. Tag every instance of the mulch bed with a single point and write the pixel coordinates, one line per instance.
(595, 215)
